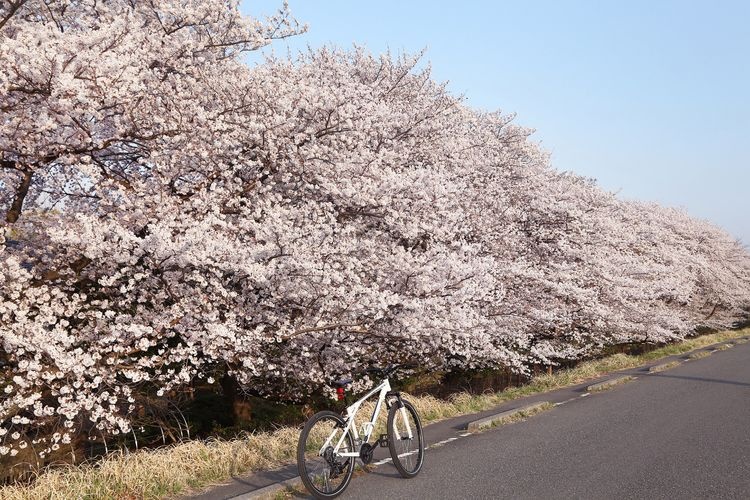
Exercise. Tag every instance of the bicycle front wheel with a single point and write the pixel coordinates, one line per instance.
(325, 473)
(405, 439)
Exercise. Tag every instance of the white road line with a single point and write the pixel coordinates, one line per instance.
(566, 401)
(445, 441)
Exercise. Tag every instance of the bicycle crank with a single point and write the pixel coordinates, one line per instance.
(365, 453)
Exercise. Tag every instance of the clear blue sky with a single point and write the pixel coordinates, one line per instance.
(651, 98)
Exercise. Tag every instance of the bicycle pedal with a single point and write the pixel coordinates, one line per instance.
(383, 441)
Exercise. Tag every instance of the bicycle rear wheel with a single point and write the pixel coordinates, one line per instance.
(407, 451)
(324, 473)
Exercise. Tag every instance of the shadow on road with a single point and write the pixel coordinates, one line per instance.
(384, 470)
(700, 379)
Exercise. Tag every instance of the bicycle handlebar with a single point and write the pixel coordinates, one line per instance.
(389, 369)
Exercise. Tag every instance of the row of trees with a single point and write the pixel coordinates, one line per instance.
(174, 216)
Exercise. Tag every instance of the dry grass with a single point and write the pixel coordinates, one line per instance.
(163, 472)
(176, 469)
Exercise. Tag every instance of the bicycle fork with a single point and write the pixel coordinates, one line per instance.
(402, 410)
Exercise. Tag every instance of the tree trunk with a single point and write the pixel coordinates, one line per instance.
(240, 407)
(23, 188)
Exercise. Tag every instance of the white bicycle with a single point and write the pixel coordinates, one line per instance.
(330, 443)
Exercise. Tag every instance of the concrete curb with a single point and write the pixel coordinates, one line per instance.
(700, 354)
(664, 366)
(499, 417)
(607, 384)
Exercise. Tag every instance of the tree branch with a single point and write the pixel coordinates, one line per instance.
(12, 9)
(334, 326)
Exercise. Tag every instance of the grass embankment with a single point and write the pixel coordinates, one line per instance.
(179, 468)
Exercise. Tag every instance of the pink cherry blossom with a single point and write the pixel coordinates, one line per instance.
(173, 215)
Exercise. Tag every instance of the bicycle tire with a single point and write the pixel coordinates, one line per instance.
(403, 457)
(321, 469)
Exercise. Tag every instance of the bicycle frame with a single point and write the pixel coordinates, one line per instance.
(384, 388)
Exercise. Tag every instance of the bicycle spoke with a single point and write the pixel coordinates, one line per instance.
(407, 452)
(320, 462)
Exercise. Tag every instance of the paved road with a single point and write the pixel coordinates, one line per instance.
(682, 433)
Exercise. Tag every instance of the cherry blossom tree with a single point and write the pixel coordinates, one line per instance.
(173, 217)
(114, 116)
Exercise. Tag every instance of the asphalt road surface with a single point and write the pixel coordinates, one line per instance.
(682, 433)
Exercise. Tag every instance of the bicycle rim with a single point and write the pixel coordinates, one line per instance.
(407, 451)
(324, 473)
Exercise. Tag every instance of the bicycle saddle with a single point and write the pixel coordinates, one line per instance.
(342, 382)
